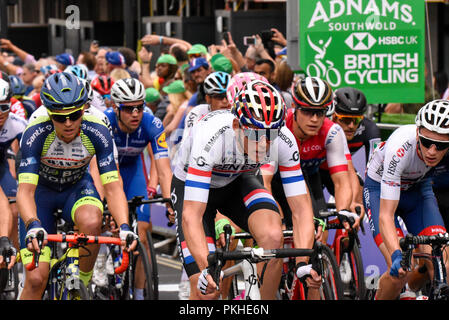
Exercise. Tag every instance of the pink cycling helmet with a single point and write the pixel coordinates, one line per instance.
(238, 81)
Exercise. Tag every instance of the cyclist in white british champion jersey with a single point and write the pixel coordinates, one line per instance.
(216, 172)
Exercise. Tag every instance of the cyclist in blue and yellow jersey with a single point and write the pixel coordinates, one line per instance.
(56, 151)
(133, 131)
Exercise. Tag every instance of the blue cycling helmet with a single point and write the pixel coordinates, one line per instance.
(18, 88)
(78, 70)
(63, 90)
(115, 58)
(65, 59)
(216, 83)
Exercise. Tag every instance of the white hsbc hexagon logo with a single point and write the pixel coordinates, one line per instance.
(360, 41)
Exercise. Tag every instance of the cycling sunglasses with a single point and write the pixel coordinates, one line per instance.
(219, 96)
(131, 109)
(311, 112)
(258, 135)
(62, 117)
(348, 119)
(5, 107)
(194, 55)
(427, 143)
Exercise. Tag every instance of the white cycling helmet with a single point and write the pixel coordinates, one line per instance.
(434, 116)
(5, 90)
(90, 91)
(127, 90)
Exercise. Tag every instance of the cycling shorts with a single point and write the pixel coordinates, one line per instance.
(417, 207)
(48, 201)
(134, 184)
(237, 201)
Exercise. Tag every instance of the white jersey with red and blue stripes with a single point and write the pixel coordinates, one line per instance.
(210, 157)
(396, 163)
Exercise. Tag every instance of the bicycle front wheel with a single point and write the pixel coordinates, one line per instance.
(140, 276)
(153, 265)
(332, 288)
(352, 274)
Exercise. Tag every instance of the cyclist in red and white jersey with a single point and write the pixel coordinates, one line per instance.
(396, 185)
(216, 172)
(322, 143)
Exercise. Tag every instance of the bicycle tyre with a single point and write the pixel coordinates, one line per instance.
(355, 288)
(153, 264)
(332, 288)
(129, 277)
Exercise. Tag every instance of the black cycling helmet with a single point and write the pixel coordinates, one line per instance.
(349, 100)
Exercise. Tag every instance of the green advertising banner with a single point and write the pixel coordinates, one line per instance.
(377, 46)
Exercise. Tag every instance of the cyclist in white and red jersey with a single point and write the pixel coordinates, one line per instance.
(215, 171)
(396, 185)
(322, 143)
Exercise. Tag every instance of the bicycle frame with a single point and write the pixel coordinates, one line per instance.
(70, 260)
(249, 271)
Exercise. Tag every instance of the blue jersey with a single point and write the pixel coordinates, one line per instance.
(49, 161)
(131, 145)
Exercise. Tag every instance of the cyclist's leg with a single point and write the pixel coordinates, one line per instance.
(84, 208)
(134, 184)
(35, 281)
(9, 186)
(258, 213)
(389, 286)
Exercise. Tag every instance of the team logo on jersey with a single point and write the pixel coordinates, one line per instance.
(161, 141)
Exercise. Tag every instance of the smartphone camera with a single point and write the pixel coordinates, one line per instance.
(247, 41)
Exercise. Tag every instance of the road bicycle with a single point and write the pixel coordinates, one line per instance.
(291, 288)
(123, 287)
(64, 282)
(438, 288)
(346, 247)
(246, 270)
(246, 260)
(9, 279)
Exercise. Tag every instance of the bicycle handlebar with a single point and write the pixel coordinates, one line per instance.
(82, 239)
(408, 243)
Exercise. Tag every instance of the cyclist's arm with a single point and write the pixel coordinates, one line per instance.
(303, 225)
(343, 192)
(164, 173)
(25, 201)
(192, 225)
(153, 178)
(5, 216)
(357, 199)
(387, 225)
(117, 203)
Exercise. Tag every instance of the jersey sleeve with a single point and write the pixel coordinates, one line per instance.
(98, 140)
(31, 145)
(395, 161)
(337, 151)
(199, 171)
(289, 164)
(156, 136)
